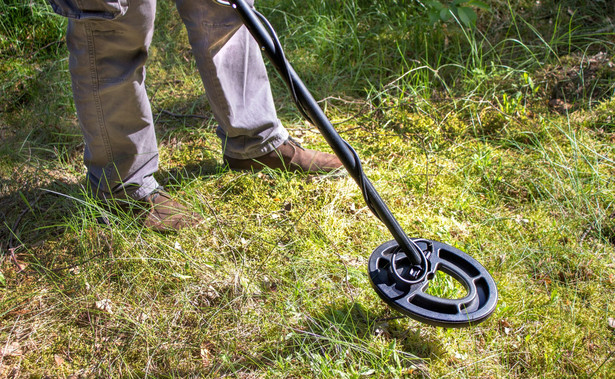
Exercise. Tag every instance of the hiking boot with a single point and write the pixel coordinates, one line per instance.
(156, 211)
(290, 156)
(163, 214)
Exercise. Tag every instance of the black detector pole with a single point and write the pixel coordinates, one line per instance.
(399, 270)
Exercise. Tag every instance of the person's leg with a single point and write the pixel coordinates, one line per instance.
(235, 79)
(106, 63)
(108, 43)
(236, 83)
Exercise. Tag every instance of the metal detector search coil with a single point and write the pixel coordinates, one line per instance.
(388, 267)
(399, 270)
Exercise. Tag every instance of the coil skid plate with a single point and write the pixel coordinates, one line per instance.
(390, 274)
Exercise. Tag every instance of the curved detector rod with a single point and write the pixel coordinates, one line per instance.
(399, 270)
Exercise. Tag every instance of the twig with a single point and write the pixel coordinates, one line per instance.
(286, 233)
(362, 102)
(602, 364)
(44, 47)
(360, 112)
(11, 251)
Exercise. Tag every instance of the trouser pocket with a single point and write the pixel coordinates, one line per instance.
(90, 9)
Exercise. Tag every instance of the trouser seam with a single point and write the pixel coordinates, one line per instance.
(96, 95)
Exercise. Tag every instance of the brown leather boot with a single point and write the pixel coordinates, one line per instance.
(157, 211)
(290, 156)
(163, 214)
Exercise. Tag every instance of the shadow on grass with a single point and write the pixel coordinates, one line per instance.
(32, 215)
(37, 236)
(353, 322)
(348, 338)
(182, 174)
(36, 210)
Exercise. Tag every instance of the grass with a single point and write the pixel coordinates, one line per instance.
(497, 140)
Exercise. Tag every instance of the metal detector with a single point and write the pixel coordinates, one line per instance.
(399, 270)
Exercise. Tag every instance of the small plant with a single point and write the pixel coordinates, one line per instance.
(462, 10)
(512, 104)
(517, 102)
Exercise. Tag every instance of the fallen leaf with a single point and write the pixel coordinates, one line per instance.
(288, 206)
(181, 276)
(59, 360)
(206, 354)
(409, 370)
(12, 350)
(559, 105)
(382, 330)
(505, 324)
(178, 247)
(460, 356)
(104, 305)
(369, 372)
